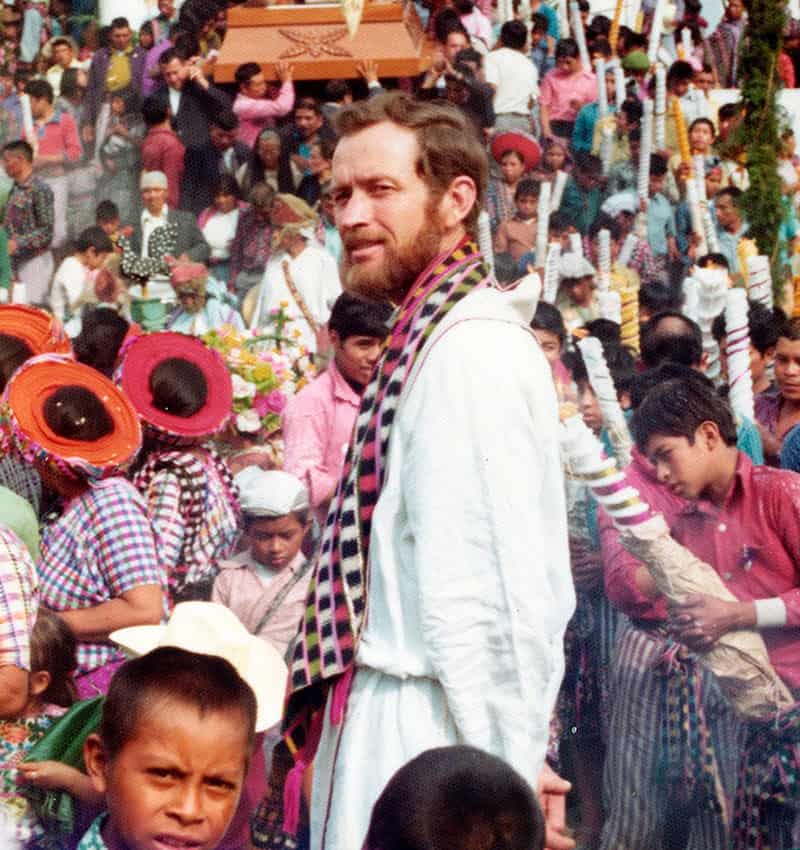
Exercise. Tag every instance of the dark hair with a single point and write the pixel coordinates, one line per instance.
(567, 47)
(178, 386)
(446, 797)
(19, 147)
(102, 334)
(225, 119)
(168, 55)
(680, 71)
(337, 90)
(245, 72)
(707, 122)
(559, 222)
(352, 316)
(310, 103)
(75, 413)
(657, 296)
(588, 163)
(713, 260)
(734, 193)
(790, 330)
(548, 318)
(658, 165)
(443, 23)
(600, 25)
(70, 85)
(154, 111)
(226, 184)
(606, 330)
(539, 22)
(94, 237)
(185, 44)
(765, 325)
(600, 44)
(61, 41)
(677, 407)
(471, 55)
(514, 34)
(633, 110)
(729, 110)
(54, 650)
(526, 188)
(605, 222)
(119, 23)
(675, 346)
(447, 146)
(645, 381)
(105, 212)
(206, 682)
(505, 269)
(326, 147)
(13, 353)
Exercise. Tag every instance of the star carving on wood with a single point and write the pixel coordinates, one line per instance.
(314, 42)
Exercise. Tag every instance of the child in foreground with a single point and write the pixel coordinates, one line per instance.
(171, 754)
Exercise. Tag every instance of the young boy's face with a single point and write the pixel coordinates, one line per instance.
(175, 785)
(787, 368)
(527, 205)
(549, 343)
(656, 183)
(275, 540)
(679, 464)
(590, 407)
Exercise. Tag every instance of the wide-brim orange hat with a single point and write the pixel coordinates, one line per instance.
(40, 331)
(30, 435)
(514, 140)
(147, 352)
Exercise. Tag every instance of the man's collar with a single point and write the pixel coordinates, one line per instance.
(148, 216)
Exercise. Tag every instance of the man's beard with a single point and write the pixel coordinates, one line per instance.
(400, 267)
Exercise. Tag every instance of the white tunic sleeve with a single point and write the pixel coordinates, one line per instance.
(484, 497)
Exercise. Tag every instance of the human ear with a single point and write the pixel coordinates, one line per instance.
(96, 761)
(458, 201)
(38, 682)
(708, 433)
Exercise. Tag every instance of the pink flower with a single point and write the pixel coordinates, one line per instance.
(276, 401)
(261, 405)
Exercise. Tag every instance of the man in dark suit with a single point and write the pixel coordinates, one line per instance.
(223, 154)
(160, 235)
(114, 68)
(191, 98)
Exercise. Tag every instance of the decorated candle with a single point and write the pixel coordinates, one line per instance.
(699, 174)
(576, 244)
(606, 144)
(737, 347)
(558, 190)
(691, 298)
(712, 286)
(542, 223)
(600, 378)
(604, 258)
(656, 27)
(613, 33)
(27, 120)
(626, 251)
(680, 128)
(643, 176)
(579, 35)
(619, 83)
(696, 213)
(629, 326)
(485, 239)
(686, 44)
(550, 290)
(660, 109)
(609, 305)
(602, 94)
(759, 280)
(745, 249)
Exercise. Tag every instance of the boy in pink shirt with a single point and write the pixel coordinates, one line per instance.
(318, 422)
(254, 110)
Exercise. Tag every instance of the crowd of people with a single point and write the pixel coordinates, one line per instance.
(293, 551)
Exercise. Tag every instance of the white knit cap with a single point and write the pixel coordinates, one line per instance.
(153, 180)
(574, 266)
(270, 493)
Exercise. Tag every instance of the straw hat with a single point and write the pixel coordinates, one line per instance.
(211, 629)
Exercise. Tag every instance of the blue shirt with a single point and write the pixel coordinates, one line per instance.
(660, 224)
(583, 132)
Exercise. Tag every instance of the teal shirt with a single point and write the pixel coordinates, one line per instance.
(5, 262)
(748, 440)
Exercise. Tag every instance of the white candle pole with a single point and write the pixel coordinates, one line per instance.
(563, 18)
(712, 242)
(558, 190)
(609, 304)
(550, 291)
(699, 175)
(604, 259)
(619, 84)
(602, 94)
(485, 239)
(759, 280)
(542, 223)
(691, 299)
(656, 27)
(686, 44)
(661, 108)
(737, 347)
(696, 212)
(576, 244)
(603, 385)
(645, 147)
(27, 121)
(713, 285)
(579, 35)
(626, 252)
(632, 13)
(606, 147)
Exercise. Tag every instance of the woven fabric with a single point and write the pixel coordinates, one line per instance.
(335, 610)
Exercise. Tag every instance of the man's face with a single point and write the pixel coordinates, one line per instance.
(256, 87)
(679, 87)
(579, 289)
(727, 215)
(121, 38)
(787, 369)
(735, 10)
(220, 138)
(567, 64)
(167, 8)
(657, 183)
(154, 199)
(14, 164)
(455, 41)
(174, 73)
(679, 464)
(356, 356)
(40, 107)
(176, 783)
(62, 54)
(307, 122)
(390, 225)
(704, 80)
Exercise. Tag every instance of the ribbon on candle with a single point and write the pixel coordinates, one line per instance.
(645, 147)
(680, 128)
(661, 108)
(737, 347)
(613, 33)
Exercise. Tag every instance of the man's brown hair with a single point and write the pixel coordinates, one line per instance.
(448, 147)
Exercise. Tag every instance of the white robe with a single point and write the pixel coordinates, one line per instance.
(470, 585)
(315, 276)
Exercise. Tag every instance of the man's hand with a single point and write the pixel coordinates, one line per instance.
(702, 620)
(284, 71)
(12, 247)
(197, 76)
(87, 133)
(368, 71)
(551, 790)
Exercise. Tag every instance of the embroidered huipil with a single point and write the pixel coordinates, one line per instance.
(18, 599)
(29, 219)
(100, 547)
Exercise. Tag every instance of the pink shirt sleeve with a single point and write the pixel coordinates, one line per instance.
(784, 507)
(252, 108)
(69, 135)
